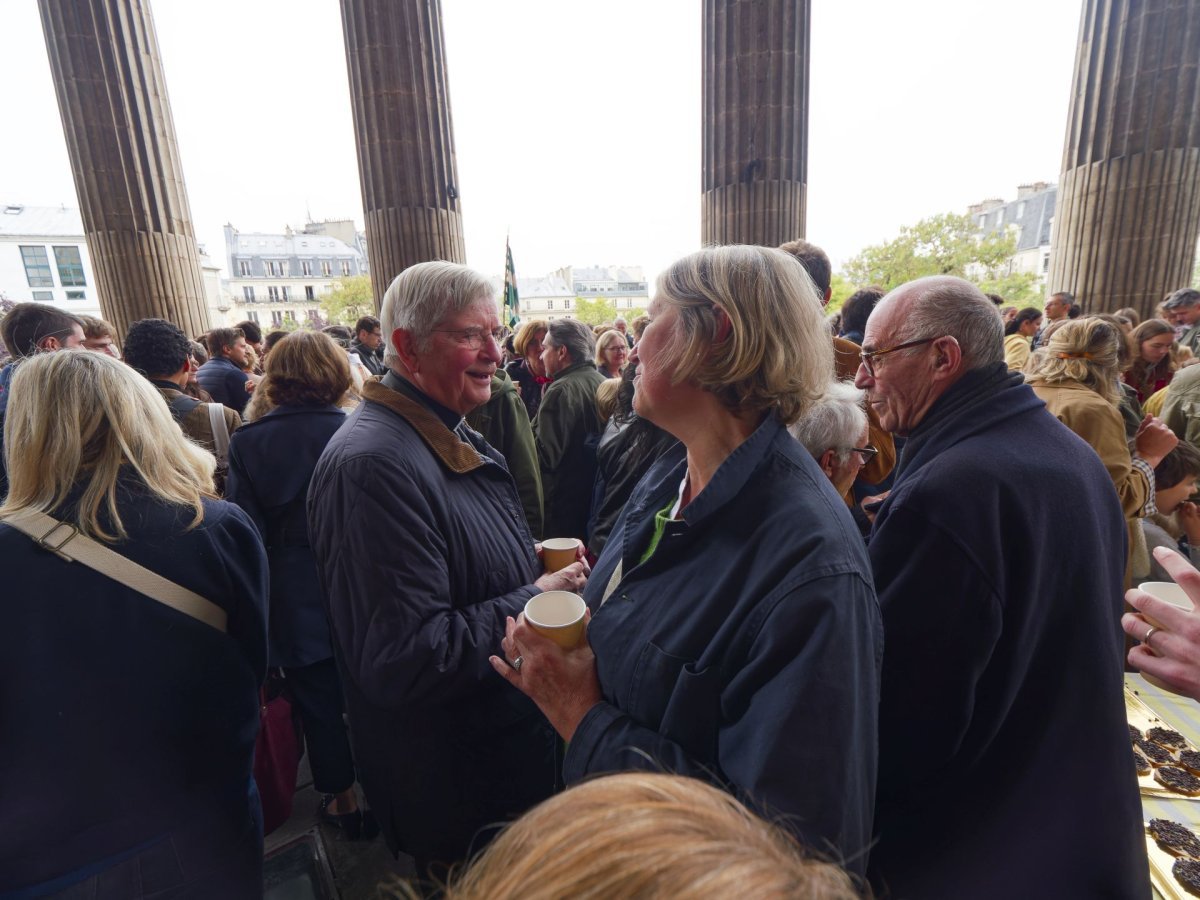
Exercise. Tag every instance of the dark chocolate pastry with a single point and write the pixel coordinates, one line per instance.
(1175, 779)
(1156, 753)
(1187, 873)
(1139, 763)
(1135, 734)
(1176, 839)
(1190, 760)
(1165, 737)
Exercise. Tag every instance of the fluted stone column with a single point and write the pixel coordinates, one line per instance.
(1128, 212)
(755, 98)
(396, 56)
(112, 97)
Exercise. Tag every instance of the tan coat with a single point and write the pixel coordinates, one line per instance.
(1097, 421)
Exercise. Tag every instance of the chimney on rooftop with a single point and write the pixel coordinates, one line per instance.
(1033, 187)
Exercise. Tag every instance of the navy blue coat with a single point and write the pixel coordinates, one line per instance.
(1004, 761)
(422, 547)
(125, 722)
(746, 650)
(225, 382)
(271, 461)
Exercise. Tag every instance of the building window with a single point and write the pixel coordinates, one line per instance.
(309, 293)
(276, 318)
(306, 267)
(271, 268)
(273, 294)
(1046, 263)
(252, 316)
(244, 268)
(283, 269)
(248, 293)
(286, 292)
(76, 295)
(345, 267)
(1021, 209)
(567, 304)
(314, 316)
(326, 267)
(37, 267)
(549, 304)
(70, 267)
(43, 296)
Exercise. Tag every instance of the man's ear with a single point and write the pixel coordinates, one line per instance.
(49, 344)
(948, 360)
(826, 462)
(406, 348)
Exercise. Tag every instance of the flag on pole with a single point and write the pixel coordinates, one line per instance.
(512, 304)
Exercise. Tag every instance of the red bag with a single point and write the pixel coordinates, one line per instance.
(276, 755)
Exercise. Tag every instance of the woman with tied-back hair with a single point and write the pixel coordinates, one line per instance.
(1018, 337)
(1153, 366)
(1076, 376)
(651, 836)
(735, 635)
(129, 725)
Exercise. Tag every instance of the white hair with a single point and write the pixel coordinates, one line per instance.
(835, 422)
(425, 294)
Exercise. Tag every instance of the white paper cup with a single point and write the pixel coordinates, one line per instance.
(558, 615)
(558, 553)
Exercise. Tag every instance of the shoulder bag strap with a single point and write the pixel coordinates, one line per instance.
(70, 544)
(220, 431)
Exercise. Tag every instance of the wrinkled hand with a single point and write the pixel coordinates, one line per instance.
(1154, 440)
(1173, 652)
(573, 578)
(563, 683)
(874, 498)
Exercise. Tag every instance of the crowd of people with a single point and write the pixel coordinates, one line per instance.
(817, 561)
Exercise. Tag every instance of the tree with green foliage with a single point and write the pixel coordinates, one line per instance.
(840, 289)
(349, 300)
(595, 312)
(946, 244)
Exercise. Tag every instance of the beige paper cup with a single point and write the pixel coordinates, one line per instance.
(558, 553)
(1168, 592)
(558, 615)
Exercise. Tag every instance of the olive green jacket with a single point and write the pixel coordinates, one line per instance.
(567, 428)
(504, 424)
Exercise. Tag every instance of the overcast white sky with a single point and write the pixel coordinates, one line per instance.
(577, 125)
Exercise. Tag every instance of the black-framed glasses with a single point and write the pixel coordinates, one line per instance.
(867, 453)
(474, 337)
(870, 356)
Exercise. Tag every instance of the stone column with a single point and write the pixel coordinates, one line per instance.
(112, 97)
(396, 56)
(1128, 212)
(755, 100)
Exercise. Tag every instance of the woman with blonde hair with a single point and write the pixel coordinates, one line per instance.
(612, 352)
(271, 461)
(650, 836)
(1153, 365)
(130, 772)
(527, 371)
(1076, 376)
(716, 649)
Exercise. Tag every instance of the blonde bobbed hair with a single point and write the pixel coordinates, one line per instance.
(646, 835)
(1086, 351)
(527, 333)
(605, 338)
(778, 356)
(78, 419)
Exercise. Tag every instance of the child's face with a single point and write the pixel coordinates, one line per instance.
(1168, 499)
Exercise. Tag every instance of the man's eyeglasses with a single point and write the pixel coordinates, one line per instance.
(473, 337)
(867, 453)
(869, 357)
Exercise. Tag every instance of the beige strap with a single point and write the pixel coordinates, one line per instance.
(55, 536)
(220, 431)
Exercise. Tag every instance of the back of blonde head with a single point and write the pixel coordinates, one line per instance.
(77, 418)
(778, 356)
(1084, 350)
(646, 835)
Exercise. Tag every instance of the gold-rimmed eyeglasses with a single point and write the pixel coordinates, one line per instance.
(869, 357)
(473, 337)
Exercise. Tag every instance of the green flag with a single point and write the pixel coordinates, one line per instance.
(512, 304)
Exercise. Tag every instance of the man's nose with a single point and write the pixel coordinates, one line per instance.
(862, 378)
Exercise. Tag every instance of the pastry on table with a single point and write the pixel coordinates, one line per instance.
(1176, 839)
(1165, 737)
(1176, 779)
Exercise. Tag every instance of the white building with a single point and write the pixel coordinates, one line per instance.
(44, 257)
(275, 277)
(1031, 218)
(555, 296)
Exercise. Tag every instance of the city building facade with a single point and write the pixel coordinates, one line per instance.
(556, 296)
(1030, 218)
(44, 257)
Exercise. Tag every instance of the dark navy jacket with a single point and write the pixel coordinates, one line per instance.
(271, 461)
(422, 547)
(1004, 761)
(225, 382)
(125, 722)
(746, 650)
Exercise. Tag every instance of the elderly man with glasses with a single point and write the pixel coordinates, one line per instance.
(836, 434)
(1004, 762)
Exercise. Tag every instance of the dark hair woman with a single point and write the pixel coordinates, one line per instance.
(271, 461)
(1018, 337)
